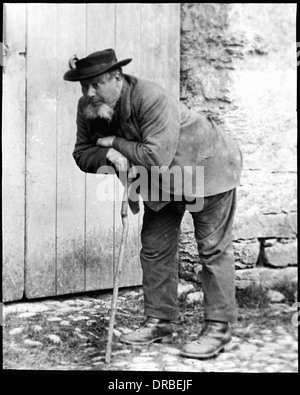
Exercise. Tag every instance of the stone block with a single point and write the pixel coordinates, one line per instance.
(184, 289)
(246, 253)
(195, 297)
(16, 331)
(281, 254)
(266, 277)
(246, 278)
(32, 343)
(188, 245)
(254, 224)
(53, 338)
(270, 278)
(190, 271)
(267, 192)
(275, 296)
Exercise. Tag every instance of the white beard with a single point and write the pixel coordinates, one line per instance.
(101, 111)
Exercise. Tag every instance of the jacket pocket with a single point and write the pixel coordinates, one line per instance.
(207, 146)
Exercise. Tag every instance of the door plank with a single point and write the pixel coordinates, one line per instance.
(99, 210)
(128, 32)
(13, 154)
(40, 275)
(160, 44)
(70, 180)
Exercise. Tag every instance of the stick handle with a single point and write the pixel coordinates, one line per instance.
(117, 272)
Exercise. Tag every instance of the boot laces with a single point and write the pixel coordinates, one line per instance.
(204, 333)
(147, 323)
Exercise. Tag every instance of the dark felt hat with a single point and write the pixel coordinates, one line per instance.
(94, 64)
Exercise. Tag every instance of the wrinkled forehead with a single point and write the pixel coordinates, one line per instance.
(91, 80)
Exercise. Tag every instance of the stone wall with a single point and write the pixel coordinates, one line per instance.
(238, 65)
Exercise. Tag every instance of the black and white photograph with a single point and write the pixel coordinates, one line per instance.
(149, 191)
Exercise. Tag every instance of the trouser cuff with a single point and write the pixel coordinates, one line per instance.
(231, 318)
(171, 315)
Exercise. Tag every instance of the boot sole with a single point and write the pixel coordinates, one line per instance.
(164, 339)
(205, 356)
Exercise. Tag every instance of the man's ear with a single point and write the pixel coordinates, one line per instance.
(118, 76)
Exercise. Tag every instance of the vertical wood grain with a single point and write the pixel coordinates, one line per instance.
(128, 31)
(70, 179)
(13, 154)
(160, 44)
(99, 211)
(40, 274)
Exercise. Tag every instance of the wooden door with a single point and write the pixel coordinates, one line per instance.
(13, 153)
(59, 237)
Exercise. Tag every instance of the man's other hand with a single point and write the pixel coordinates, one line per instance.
(120, 162)
(106, 141)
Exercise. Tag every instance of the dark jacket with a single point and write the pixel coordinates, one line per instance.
(153, 128)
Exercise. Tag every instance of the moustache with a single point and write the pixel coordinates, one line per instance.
(96, 102)
(98, 110)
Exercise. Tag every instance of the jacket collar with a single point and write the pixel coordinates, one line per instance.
(125, 104)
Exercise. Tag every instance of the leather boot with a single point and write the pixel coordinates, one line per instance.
(152, 330)
(213, 337)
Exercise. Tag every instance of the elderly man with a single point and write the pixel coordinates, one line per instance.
(122, 119)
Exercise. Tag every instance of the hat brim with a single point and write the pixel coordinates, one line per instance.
(73, 75)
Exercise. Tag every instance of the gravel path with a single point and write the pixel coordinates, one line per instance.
(71, 334)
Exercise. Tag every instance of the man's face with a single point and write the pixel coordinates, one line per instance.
(102, 94)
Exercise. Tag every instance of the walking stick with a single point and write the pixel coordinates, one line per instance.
(117, 271)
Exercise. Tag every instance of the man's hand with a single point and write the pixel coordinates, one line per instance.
(106, 141)
(120, 162)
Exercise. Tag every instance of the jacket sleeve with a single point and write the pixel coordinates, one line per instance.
(159, 121)
(87, 155)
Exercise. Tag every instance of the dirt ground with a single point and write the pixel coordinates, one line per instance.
(70, 333)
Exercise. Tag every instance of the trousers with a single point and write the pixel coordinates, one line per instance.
(213, 234)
